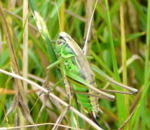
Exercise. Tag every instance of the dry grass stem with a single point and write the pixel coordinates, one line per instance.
(54, 97)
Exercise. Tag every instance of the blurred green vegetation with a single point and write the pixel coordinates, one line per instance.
(109, 51)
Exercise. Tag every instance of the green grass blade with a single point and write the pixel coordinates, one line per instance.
(121, 107)
(142, 102)
(43, 30)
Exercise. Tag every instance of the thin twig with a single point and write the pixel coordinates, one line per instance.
(60, 118)
(25, 42)
(126, 121)
(129, 61)
(19, 18)
(37, 125)
(75, 15)
(88, 25)
(59, 89)
(71, 13)
(10, 91)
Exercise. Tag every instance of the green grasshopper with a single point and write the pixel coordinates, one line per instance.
(76, 66)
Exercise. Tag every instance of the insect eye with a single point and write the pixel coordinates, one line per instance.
(60, 37)
(61, 40)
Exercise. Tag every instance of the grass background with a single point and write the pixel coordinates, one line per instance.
(120, 37)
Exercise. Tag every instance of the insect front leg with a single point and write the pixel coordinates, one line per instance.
(60, 60)
(67, 85)
(54, 64)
